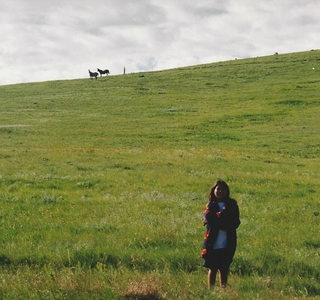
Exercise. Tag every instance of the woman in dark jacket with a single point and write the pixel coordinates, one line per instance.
(221, 216)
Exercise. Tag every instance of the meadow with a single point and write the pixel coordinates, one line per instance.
(103, 182)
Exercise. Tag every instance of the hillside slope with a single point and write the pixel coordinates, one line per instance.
(102, 182)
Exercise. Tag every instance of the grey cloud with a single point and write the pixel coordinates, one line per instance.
(207, 8)
(149, 64)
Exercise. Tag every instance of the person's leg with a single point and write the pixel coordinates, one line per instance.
(223, 272)
(212, 273)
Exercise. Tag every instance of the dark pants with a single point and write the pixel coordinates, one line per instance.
(218, 260)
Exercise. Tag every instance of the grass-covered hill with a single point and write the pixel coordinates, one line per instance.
(103, 182)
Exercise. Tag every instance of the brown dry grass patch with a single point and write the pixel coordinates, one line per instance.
(145, 288)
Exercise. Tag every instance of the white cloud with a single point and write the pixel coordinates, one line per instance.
(56, 39)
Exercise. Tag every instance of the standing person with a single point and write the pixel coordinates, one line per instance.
(221, 216)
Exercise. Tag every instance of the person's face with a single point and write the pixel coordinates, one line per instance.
(220, 192)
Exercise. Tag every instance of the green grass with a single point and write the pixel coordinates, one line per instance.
(103, 182)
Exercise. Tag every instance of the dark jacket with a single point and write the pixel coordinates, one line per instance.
(228, 220)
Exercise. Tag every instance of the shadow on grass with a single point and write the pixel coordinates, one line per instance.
(266, 265)
(4, 260)
(274, 265)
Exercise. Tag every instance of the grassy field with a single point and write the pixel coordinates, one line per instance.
(103, 182)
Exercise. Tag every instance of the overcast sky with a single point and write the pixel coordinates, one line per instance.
(44, 40)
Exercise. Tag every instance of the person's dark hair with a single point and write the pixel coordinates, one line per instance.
(222, 184)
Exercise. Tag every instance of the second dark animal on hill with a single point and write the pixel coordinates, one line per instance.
(93, 74)
(106, 72)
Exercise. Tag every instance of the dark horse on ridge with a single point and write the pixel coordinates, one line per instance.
(103, 72)
(93, 74)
